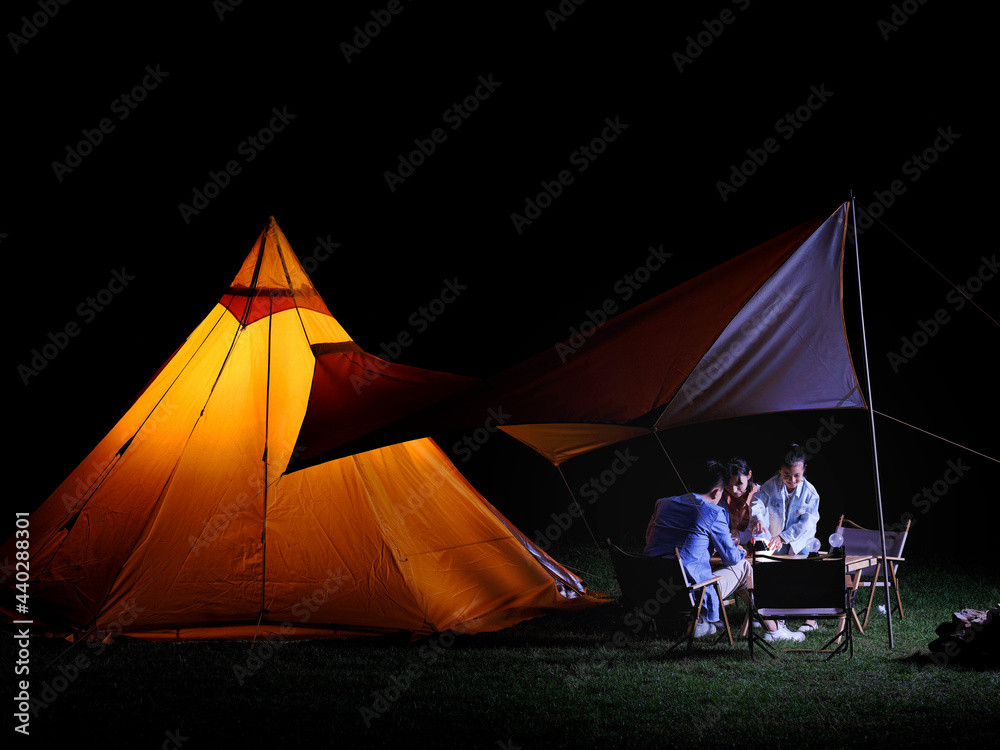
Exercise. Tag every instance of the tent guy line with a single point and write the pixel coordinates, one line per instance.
(990, 266)
(939, 437)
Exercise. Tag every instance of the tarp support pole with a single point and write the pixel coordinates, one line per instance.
(600, 549)
(656, 433)
(871, 414)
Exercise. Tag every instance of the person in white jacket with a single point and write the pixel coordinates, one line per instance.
(786, 510)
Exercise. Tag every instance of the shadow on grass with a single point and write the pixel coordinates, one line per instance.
(959, 663)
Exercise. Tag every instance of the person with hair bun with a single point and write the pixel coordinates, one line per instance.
(737, 499)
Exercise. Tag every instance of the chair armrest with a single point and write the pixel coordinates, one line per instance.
(895, 559)
(706, 582)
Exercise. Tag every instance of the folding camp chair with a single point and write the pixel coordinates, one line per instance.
(813, 588)
(658, 597)
(861, 541)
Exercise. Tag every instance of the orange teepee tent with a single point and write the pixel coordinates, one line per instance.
(182, 522)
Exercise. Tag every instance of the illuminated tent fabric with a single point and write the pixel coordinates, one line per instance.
(182, 523)
(762, 332)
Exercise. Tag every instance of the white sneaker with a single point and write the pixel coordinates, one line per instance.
(783, 634)
(807, 628)
(702, 628)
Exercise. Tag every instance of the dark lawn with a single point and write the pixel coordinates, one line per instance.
(550, 682)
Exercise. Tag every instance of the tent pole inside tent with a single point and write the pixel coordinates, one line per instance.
(871, 414)
(267, 431)
(267, 413)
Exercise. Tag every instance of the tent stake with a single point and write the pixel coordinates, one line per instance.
(871, 414)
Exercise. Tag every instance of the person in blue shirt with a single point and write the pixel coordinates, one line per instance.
(693, 524)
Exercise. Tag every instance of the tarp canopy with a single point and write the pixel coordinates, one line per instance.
(763, 332)
(182, 522)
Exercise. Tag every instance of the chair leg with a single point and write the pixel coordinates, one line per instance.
(871, 596)
(745, 598)
(843, 631)
(899, 601)
(725, 617)
(852, 584)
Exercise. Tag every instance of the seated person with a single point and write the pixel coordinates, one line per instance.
(786, 510)
(692, 524)
(737, 500)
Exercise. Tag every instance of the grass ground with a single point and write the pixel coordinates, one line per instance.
(551, 682)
